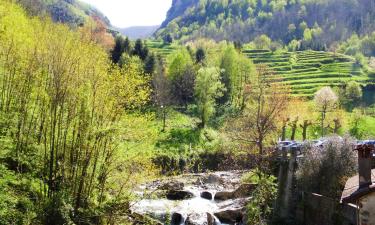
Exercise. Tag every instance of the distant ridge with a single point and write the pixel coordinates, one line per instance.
(136, 32)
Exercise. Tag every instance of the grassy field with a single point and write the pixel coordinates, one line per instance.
(160, 48)
(307, 71)
(304, 71)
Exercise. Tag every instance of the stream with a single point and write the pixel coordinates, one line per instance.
(195, 199)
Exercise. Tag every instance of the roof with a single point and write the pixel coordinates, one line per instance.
(352, 192)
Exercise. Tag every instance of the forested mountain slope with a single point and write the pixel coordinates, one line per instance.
(73, 12)
(318, 23)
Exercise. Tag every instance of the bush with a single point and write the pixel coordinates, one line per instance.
(325, 171)
(259, 209)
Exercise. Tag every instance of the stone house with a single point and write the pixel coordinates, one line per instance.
(360, 189)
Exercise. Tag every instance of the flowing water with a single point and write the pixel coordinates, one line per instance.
(165, 210)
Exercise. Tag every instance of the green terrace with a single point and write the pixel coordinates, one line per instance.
(307, 71)
(304, 71)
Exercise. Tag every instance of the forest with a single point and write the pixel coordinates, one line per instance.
(89, 119)
(311, 23)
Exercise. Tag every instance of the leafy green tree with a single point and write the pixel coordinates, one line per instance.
(150, 64)
(118, 49)
(200, 55)
(262, 42)
(182, 74)
(208, 88)
(168, 39)
(140, 50)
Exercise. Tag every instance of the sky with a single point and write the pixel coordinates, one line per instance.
(126, 13)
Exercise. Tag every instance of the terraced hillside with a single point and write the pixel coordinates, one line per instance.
(304, 71)
(307, 71)
(160, 48)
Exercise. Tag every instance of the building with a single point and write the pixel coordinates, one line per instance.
(360, 189)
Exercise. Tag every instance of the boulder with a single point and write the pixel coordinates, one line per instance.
(212, 220)
(201, 219)
(177, 219)
(230, 215)
(171, 185)
(213, 179)
(206, 195)
(223, 195)
(243, 191)
(232, 211)
(179, 195)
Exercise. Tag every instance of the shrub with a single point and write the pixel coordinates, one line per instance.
(325, 170)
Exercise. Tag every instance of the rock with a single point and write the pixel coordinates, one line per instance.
(230, 216)
(213, 179)
(206, 195)
(212, 220)
(244, 190)
(172, 185)
(223, 195)
(196, 219)
(179, 195)
(232, 211)
(143, 219)
(177, 219)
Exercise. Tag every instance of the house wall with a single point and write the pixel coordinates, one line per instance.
(320, 210)
(367, 210)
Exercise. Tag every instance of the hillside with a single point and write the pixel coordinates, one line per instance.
(311, 22)
(72, 12)
(304, 71)
(136, 32)
(308, 71)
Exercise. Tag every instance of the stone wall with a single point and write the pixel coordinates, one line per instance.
(315, 209)
(367, 210)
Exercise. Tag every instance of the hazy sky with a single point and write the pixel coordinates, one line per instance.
(125, 13)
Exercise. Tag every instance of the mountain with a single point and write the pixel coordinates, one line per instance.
(317, 22)
(72, 12)
(139, 31)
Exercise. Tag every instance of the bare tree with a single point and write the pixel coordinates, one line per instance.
(325, 100)
(266, 102)
(161, 89)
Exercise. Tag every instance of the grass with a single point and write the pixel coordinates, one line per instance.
(307, 71)
(304, 71)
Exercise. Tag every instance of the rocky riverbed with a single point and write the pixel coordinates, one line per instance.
(195, 199)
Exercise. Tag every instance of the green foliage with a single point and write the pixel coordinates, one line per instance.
(259, 208)
(362, 125)
(182, 74)
(310, 22)
(325, 171)
(308, 71)
(72, 12)
(61, 103)
(208, 88)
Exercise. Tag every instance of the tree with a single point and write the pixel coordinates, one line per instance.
(207, 88)
(150, 64)
(325, 171)
(265, 105)
(262, 42)
(350, 94)
(236, 71)
(200, 55)
(118, 49)
(161, 89)
(325, 100)
(167, 39)
(182, 74)
(140, 50)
